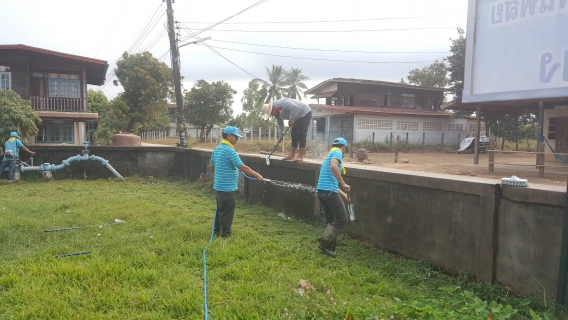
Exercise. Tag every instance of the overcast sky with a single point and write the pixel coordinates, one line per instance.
(104, 29)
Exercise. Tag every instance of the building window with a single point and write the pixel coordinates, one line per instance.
(406, 126)
(432, 126)
(552, 129)
(408, 100)
(333, 101)
(55, 133)
(473, 127)
(348, 100)
(63, 85)
(6, 80)
(385, 101)
(374, 124)
(455, 127)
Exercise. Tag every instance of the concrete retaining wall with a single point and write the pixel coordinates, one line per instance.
(508, 235)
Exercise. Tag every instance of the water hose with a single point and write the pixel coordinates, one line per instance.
(205, 308)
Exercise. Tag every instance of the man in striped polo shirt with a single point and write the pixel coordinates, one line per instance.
(329, 195)
(226, 163)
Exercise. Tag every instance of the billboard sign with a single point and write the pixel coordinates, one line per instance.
(516, 50)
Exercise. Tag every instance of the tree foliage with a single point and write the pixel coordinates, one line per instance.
(275, 87)
(456, 66)
(147, 84)
(252, 101)
(209, 104)
(433, 76)
(16, 114)
(97, 102)
(295, 82)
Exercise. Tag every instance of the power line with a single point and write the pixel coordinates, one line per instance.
(322, 21)
(320, 59)
(322, 31)
(325, 50)
(114, 26)
(236, 14)
(217, 52)
(144, 30)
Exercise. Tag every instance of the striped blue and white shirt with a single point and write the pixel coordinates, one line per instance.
(226, 161)
(326, 180)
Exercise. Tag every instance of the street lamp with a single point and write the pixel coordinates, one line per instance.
(196, 41)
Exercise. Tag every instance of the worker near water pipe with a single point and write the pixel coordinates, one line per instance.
(11, 154)
(329, 194)
(299, 116)
(226, 164)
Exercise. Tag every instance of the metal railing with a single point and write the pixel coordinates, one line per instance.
(59, 104)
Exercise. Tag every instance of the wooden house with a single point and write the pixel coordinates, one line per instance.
(56, 85)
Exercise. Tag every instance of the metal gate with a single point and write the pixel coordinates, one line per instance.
(341, 127)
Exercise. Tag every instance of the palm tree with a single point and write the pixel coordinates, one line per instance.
(294, 81)
(275, 86)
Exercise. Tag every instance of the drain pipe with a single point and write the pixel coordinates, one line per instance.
(46, 167)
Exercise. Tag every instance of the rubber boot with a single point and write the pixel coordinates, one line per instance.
(300, 157)
(326, 245)
(291, 155)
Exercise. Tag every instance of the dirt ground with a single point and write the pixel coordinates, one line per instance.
(462, 164)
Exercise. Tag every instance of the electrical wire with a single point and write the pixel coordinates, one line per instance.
(322, 31)
(114, 26)
(236, 14)
(321, 59)
(324, 50)
(321, 21)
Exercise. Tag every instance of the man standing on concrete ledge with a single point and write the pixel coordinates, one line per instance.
(299, 116)
(226, 163)
(11, 154)
(329, 195)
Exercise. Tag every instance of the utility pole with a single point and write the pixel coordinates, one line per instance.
(180, 127)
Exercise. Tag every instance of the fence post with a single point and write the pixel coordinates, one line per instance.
(259, 134)
(423, 138)
(396, 150)
(373, 139)
(442, 139)
(275, 134)
(268, 134)
(407, 138)
(251, 133)
(459, 138)
(391, 139)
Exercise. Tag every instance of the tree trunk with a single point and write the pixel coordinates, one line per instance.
(201, 133)
(502, 144)
(528, 144)
(209, 129)
(130, 125)
(517, 144)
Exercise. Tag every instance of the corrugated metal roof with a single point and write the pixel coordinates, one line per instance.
(383, 111)
(371, 82)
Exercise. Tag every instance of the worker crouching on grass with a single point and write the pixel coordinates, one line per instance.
(329, 195)
(226, 163)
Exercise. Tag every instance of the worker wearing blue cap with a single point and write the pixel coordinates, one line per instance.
(11, 154)
(329, 195)
(226, 163)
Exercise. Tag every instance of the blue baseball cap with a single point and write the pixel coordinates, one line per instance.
(340, 141)
(232, 130)
(14, 134)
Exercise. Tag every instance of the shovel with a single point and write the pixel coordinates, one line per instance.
(350, 208)
(276, 146)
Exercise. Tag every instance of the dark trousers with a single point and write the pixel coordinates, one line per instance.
(225, 212)
(300, 131)
(333, 208)
(10, 164)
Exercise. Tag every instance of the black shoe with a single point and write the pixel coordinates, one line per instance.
(327, 252)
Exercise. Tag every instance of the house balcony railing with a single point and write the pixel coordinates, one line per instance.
(59, 104)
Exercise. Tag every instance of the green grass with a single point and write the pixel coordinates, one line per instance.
(151, 266)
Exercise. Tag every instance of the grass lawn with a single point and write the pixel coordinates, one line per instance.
(151, 267)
